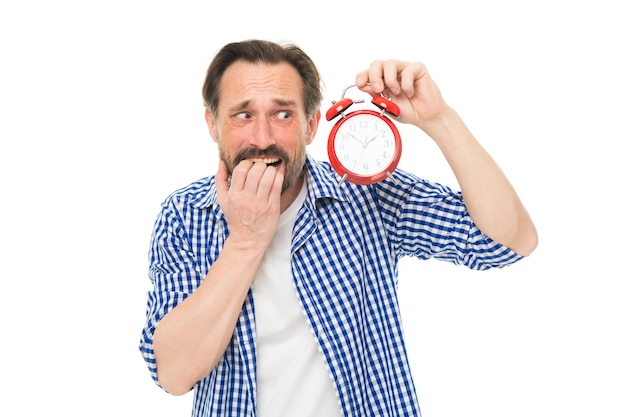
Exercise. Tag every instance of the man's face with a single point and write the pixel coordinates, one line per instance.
(261, 118)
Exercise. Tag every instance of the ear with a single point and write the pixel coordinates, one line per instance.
(314, 123)
(210, 121)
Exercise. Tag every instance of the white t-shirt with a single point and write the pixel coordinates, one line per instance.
(292, 377)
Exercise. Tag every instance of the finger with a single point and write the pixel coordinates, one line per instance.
(277, 186)
(362, 81)
(391, 74)
(384, 75)
(410, 76)
(254, 178)
(266, 181)
(270, 187)
(376, 76)
(371, 80)
(240, 174)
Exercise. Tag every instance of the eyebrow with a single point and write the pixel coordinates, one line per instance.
(244, 104)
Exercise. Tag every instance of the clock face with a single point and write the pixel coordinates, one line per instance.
(364, 146)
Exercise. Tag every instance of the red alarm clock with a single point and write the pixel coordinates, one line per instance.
(364, 146)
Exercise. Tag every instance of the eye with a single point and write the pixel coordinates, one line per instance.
(242, 115)
(283, 115)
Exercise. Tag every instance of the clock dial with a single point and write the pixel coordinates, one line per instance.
(365, 144)
(364, 147)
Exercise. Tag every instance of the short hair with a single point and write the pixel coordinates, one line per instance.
(260, 51)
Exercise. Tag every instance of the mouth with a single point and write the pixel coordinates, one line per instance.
(267, 161)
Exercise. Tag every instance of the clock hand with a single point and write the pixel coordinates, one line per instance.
(357, 139)
(358, 164)
(368, 141)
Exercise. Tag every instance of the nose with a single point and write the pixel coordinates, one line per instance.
(262, 135)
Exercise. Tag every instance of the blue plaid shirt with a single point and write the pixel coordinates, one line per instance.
(346, 245)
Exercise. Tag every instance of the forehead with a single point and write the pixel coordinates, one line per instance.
(248, 82)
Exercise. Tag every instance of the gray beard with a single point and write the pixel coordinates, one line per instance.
(288, 182)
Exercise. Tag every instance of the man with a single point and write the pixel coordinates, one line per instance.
(275, 289)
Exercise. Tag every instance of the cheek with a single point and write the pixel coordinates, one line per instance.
(230, 139)
(293, 137)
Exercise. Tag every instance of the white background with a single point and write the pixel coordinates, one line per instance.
(101, 118)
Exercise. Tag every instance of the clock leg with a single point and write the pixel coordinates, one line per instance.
(391, 177)
(342, 180)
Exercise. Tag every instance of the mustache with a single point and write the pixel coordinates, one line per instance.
(254, 151)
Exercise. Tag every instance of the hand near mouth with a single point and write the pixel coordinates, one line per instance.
(251, 204)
